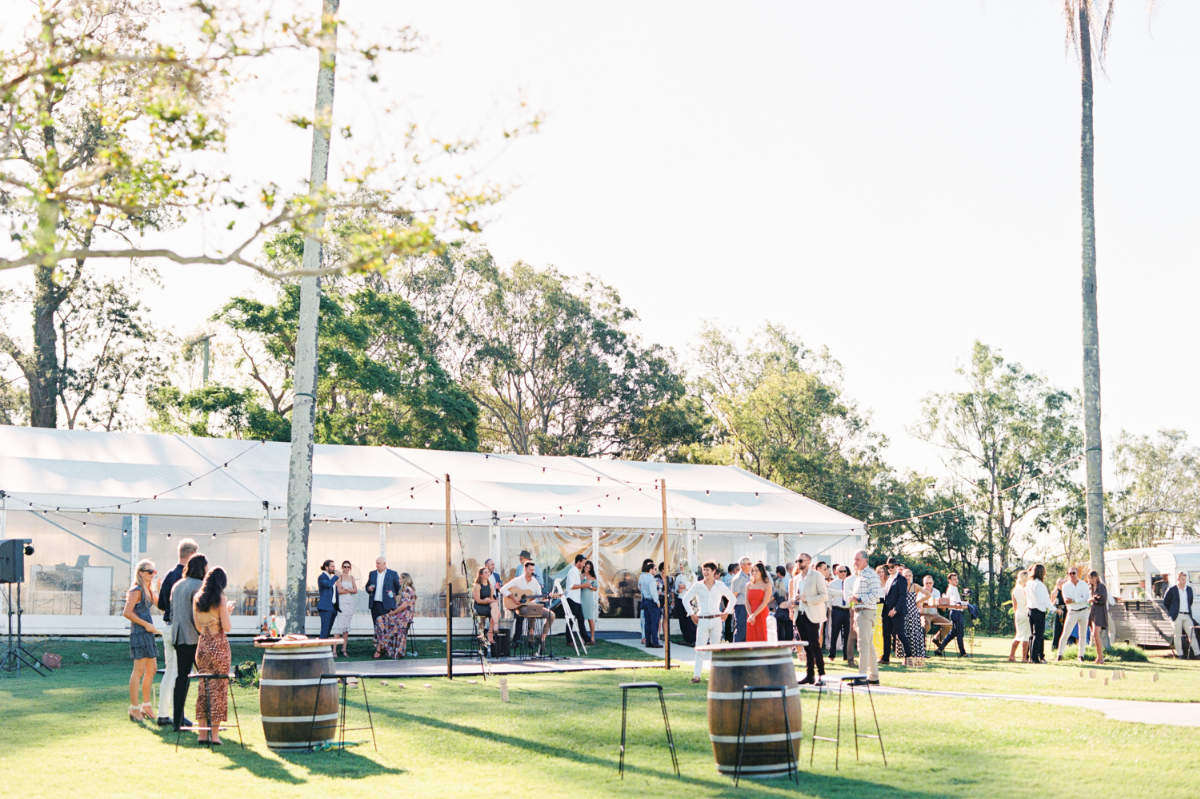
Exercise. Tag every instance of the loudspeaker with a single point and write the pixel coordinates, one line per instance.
(12, 559)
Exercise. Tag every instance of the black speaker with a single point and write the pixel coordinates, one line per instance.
(12, 559)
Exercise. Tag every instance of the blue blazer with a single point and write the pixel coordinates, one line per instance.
(391, 587)
(326, 584)
(1171, 601)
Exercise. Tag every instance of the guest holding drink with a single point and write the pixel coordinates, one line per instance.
(590, 598)
(142, 595)
(347, 593)
(1098, 617)
(211, 615)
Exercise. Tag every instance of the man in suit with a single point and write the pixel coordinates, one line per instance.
(1178, 601)
(894, 595)
(811, 597)
(326, 605)
(184, 635)
(166, 689)
(382, 586)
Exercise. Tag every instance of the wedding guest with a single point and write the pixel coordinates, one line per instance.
(347, 593)
(648, 588)
(783, 616)
(487, 605)
(383, 585)
(166, 687)
(810, 597)
(863, 592)
(142, 595)
(211, 615)
(927, 600)
(1039, 605)
(1098, 615)
(1020, 606)
(758, 600)
(573, 592)
(895, 598)
(910, 632)
(708, 601)
(1060, 610)
(590, 599)
(957, 619)
(1178, 602)
(391, 629)
(739, 586)
(184, 634)
(326, 597)
(1078, 599)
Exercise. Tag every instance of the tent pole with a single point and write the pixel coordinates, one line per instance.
(383, 539)
(135, 536)
(669, 593)
(449, 590)
(264, 565)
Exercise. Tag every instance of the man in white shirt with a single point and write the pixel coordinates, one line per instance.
(863, 592)
(957, 620)
(1039, 604)
(810, 598)
(741, 611)
(927, 599)
(573, 585)
(520, 590)
(839, 613)
(703, 604)
(1078, 597)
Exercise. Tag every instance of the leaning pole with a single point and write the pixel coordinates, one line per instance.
(299, 496)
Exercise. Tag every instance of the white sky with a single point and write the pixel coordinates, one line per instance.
(892, 180)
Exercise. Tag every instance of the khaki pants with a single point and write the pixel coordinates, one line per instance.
(864, 628)
(1184, 625)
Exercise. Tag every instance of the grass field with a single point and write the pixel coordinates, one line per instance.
(67, 735)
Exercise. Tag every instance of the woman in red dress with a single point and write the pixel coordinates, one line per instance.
(758, 595)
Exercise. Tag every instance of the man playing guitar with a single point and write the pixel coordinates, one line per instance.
(521, 595)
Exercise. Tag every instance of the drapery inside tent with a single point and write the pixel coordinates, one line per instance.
(80, 494)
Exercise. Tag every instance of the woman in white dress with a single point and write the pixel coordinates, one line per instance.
(1020, 603)
(347, 589)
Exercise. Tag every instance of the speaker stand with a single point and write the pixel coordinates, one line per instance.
(17, 655)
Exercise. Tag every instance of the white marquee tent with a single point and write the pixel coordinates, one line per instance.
(79, 494)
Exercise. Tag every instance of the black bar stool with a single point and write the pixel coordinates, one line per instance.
(205, 686)
(626, 687)
(851, 681)
(748, 693)
(342, 679)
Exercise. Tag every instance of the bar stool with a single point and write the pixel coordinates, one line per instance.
(342, 679)
(626, 687)
(852, 681)
(205, 685)
(748, 693)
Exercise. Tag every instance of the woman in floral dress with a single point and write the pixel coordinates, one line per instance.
(391, 629)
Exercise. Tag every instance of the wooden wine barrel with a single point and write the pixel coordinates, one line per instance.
(764, 753)
(288, 693)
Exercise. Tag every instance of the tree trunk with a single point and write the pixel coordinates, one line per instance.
(43, 377)
(1091, 330)
(299, 500)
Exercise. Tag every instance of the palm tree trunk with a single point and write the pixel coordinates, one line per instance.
(304, 408)
(1091, 330)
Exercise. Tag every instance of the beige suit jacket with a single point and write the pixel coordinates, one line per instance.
(815, 594)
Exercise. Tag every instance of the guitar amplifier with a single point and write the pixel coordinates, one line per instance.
(502, 646)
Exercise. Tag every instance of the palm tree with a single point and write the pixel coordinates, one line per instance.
(1081, 16)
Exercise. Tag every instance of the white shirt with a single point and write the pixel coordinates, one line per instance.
(380, 579)
(953, 595)
(1038, 596)
(520, 582)
(701, 600)
(1080, 592)
(836, 596)
(934, 596)
(573, 578)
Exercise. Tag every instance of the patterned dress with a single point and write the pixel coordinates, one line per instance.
(391, 629)
(141, 640)
(212, 657)
(912, 632)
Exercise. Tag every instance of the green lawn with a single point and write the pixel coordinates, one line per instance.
(988, 671)
(67, 735)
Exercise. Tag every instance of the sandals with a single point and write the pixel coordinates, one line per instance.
(147, 710)
(135, 709)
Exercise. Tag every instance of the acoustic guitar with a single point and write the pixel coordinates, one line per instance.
(520, 596)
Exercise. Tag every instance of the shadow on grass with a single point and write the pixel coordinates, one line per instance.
(815, 784)
(345, 764)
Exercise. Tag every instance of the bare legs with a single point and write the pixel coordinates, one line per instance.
(143, 675)
(1097, 639)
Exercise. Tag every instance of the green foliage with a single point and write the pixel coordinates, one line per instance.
(1012, 437)
(377, 383)
(1158, 489)
(778, 410)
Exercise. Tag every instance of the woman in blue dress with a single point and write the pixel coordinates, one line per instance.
(142, 596)
(589, 598)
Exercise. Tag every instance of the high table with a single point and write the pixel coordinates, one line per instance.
(299, 709)
(768, 732)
